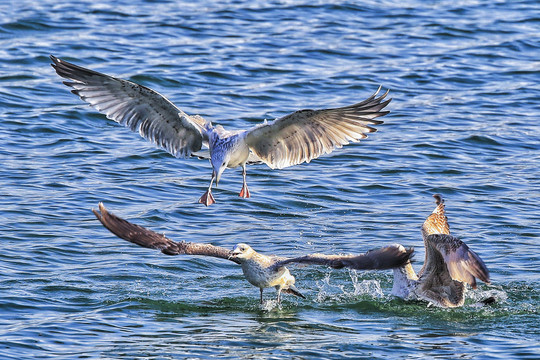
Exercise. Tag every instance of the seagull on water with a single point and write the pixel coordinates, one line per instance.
(260, 270)
(449, 265)
(296, 138)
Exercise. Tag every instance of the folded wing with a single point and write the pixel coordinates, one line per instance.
(152, 240)
(307, 134)
(140, 108)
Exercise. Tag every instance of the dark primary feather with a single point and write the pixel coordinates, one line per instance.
(140, 108)
(152, 240)
(378, 259)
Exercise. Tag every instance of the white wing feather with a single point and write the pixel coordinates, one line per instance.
(307, 134)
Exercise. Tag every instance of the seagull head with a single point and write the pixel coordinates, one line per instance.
(242, 251)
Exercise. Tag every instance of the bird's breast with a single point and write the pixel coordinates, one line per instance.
(239, 155)
(261, 275)
(255, 274)
(233, 147)
(239, 151)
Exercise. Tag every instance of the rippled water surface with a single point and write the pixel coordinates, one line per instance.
(464, 122)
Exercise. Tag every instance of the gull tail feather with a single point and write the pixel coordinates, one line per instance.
(294, 291)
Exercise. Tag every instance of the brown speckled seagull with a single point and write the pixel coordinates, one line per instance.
(449, 264)
(299, 137)
(260, 270)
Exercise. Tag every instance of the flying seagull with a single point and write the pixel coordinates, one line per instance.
(299, 137)
(260, 270)
(449, 265)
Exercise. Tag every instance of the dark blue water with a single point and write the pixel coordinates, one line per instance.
(464, 77)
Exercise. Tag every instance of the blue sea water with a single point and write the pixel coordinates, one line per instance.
(464, 77)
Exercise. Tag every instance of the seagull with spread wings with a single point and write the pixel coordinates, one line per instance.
(449, 265)
(299, 137)
(260, 270)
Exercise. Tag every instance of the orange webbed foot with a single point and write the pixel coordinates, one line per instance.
(244, 193)
(207, 198)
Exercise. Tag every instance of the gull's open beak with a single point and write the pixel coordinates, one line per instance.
(232, 254)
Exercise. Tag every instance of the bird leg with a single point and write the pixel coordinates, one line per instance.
(244, 193)
(278, 299)
(261, 295)
(207, 198)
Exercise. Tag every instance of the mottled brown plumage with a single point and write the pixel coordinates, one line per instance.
(449, 265)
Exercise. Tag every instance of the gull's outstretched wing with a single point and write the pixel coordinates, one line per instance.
(307, 134)
(377, 259)
(462, 263)
(152, 240)
(141, 109)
